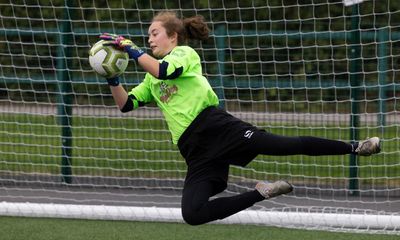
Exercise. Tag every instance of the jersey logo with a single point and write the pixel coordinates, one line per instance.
(178, 52)
(248, 134)
(166, 92)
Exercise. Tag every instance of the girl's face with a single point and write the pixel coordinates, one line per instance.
(160, 43)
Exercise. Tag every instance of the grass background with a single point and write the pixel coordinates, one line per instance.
(19, 228)
(132, 147)
(137, 147)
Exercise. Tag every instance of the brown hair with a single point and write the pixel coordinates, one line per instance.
(188, 28)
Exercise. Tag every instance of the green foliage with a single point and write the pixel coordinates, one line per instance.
(280, 46)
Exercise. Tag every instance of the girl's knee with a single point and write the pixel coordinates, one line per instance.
(191, 217)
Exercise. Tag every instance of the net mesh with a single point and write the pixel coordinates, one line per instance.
(317, 68)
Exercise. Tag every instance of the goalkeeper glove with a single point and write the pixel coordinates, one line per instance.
(127, 45)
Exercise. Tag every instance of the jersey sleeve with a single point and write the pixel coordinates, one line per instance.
(142, 92)
(175, 63)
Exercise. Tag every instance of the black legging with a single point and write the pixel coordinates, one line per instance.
(198, 209)
(270, 144)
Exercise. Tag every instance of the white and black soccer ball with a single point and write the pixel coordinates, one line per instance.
(108, 61)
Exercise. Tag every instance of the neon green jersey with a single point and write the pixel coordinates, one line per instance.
(180, 99)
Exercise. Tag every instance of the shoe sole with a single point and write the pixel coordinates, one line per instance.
(276, 188)
(372, 145)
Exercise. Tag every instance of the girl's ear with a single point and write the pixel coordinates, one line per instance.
(175, 37)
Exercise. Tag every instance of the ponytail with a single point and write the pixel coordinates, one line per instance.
(196, 28)
(188, 28)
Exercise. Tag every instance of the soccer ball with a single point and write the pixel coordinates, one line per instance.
(107, 61)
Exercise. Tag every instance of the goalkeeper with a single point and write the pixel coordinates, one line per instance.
(209, 138)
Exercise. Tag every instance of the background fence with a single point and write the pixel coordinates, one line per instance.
(292, 68)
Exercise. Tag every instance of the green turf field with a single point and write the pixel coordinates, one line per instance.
(132, 147)
(17, 228)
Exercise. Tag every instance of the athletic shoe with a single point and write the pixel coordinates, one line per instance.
(368, 147)
(270, 190)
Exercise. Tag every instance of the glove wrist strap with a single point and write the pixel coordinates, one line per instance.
(134, 53)
(113, 81)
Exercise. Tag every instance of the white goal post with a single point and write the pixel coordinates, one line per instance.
(310, 220)
(318, 68)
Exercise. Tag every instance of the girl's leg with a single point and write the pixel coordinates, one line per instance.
(271, 144)
(198, 209)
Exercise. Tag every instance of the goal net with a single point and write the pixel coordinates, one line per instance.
(319, 68)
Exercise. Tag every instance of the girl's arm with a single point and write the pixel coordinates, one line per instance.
(120, 95)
